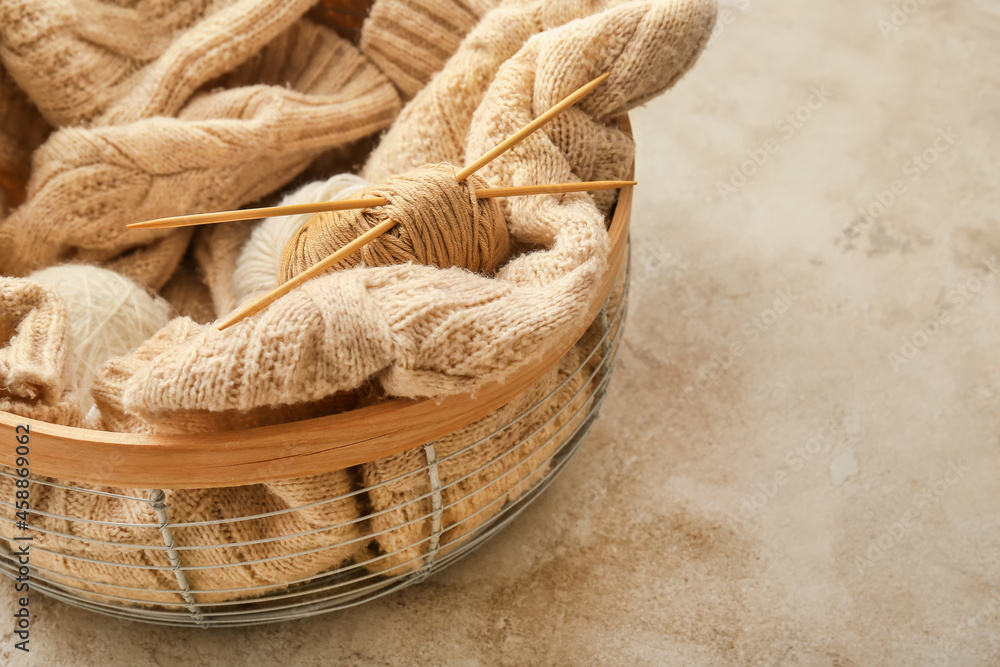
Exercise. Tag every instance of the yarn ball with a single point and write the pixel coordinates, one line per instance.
(260, 259)
(439, 222)
(109, 316)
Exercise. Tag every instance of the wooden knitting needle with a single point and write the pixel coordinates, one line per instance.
(311, 272)
(370, 202)
(526, 131)
(343, 205)
(376, 231)
(551, 188)
(253, 213)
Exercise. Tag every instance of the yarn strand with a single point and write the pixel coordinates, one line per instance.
(327, 206)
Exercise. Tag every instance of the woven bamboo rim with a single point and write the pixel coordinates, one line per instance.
(296, 449)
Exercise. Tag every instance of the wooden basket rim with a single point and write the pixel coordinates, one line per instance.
(292, 450)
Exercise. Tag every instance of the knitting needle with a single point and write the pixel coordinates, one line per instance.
(525, 131)
(253, 213)
(383, 227)
(311, 272)
(370, 202)
(296, 209)
(551, 188)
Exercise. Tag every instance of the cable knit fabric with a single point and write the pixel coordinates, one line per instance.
(410, 40)
(343, 339)
(433, 127)
(158, 150)
(340, 329)
(93, 61)
(36, 365)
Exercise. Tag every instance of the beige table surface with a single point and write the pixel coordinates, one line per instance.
(805, 499)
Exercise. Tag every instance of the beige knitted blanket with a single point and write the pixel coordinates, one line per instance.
(204, 106)
(168, 110)
(342, 329)
(410, 40)
(184, 119)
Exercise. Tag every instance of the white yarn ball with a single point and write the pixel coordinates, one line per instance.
(109, 316)
(258, 264)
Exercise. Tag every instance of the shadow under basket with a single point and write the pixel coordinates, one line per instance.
(285, 522)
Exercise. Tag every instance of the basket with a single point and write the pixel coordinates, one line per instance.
(284, 522)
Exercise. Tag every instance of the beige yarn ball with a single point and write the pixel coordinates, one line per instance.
(438, 222)
(260, 259)
(109, 315)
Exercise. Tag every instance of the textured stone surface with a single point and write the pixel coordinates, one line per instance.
(871, 548)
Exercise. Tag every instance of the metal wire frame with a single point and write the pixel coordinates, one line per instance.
(349, 585)
(428, 469)
(288, 595)
(291, 614)
(192, 606)
(436, 511)
(309, 607)
(618, 317)
(91, 605)
(380, 585)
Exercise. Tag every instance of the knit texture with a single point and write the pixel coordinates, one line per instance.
(378, 517)
(114, 415)
(108, 314)
(263, 561)
(644, 46)
(480, 467)
(164, 146)
(36, 370)
(410, 40)
(342, 338)
(439, 222)
(433, 127)
(335, 516)
(188, 294)
(36, 363)
(492, 462)
(92, 61)
(425, 331)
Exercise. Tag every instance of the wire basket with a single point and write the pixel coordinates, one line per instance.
(284, 522)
